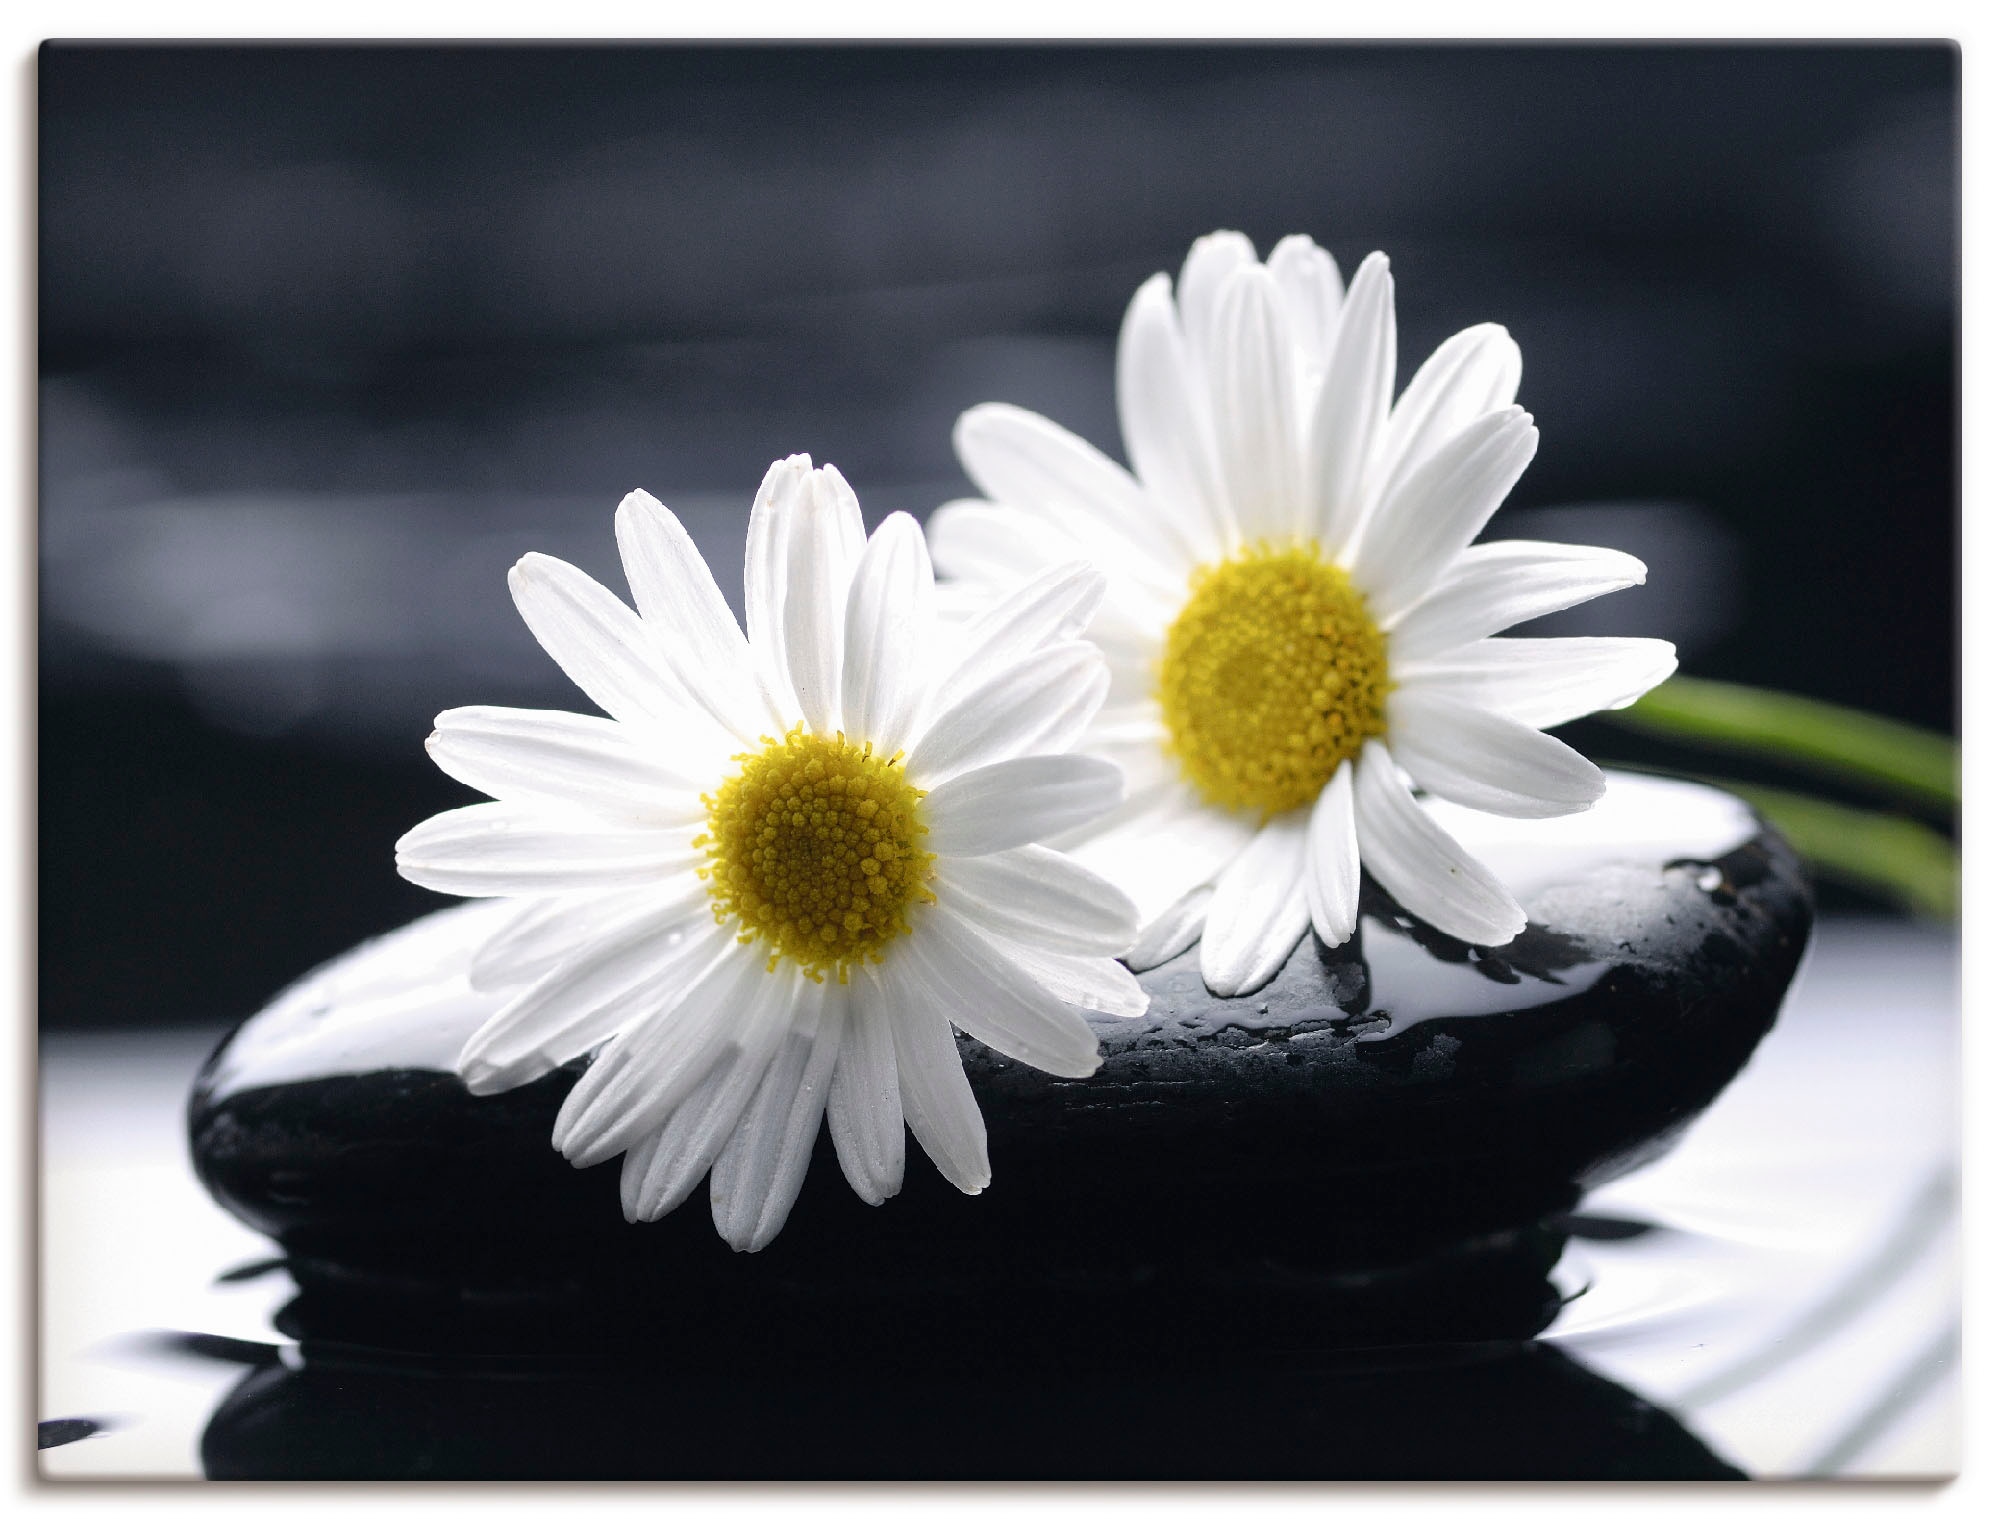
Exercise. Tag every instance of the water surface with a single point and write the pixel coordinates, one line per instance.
(1783, 1287)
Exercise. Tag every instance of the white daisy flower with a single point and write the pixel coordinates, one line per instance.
(770, 882)
(1296, 627)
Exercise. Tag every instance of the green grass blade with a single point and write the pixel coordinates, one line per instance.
(1910, 762)
(1887, 855)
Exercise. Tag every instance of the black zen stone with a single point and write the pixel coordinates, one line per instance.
(1402, 1113)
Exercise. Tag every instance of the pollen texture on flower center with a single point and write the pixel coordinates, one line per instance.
(815, 848)
(1272, 674)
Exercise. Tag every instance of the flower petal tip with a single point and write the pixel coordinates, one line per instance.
(1512, 931)
(1231, 985)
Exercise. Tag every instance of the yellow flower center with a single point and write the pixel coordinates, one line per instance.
(1271, 676)
(814, 848)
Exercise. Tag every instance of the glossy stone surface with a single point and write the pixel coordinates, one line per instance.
(1395, 1115)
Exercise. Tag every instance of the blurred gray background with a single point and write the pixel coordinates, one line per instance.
(330, 335)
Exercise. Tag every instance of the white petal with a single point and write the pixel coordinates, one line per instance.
(758, 1175)
(1353, 407)
(1131, 663)
(1056, 605)
(1019, 801)
(661, 1170)
(1166, 428)
(1131, 720)
(1069, 720)
(1495, 585)
(1033, 895)
(937, 1099)
(1480, 759)
(1259, 913)
(1041, 702)
(958, 600)
(864, 1104)
(651, 1068)
(766, 563)
(1053, 606)
(825, 543)
(1094, 983)
(1159, 847)
(497, 849)
(639, 1159)
(888, 636)
(1252, 385)
(680, 602)
(548, 930)
(693, 1136)
(1421, 865)
(1141, 754)
(1471, 373)
(1021, 458)
(1438, 509)
(1546, 681)
(1206, 270)
(980, 988)
(1333, 860)
(563, 757)
(597, 640)
(1172, 931)
(591, 993)
(994, 545)
(1309, 280)
(1055, 479)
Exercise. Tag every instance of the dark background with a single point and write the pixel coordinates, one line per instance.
(329, 336)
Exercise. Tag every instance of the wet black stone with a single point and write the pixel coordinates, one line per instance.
(1361, 1153)
(1490, 1412)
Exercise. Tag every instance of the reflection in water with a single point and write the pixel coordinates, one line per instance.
(1930, 1212)
(986, 1405)
(251, 1271)
(1426, 1370)
(1404, 956)
(53, 1432)
(1695, 1327)
(1798, 1309)
(1924, 1373)
(178, 1343)
(1862, 1349)
(1597, 1226)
